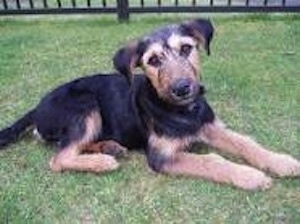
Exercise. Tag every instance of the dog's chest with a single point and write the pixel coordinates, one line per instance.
(177, 121)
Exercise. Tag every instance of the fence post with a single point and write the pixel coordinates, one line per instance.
(123, 10)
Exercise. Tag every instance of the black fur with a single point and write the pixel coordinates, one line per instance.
(129, 113)
(155, 158)
(129, 56)
(125, 112)
(202, 27)
(171, 120)
(11, 134)
(59, 117)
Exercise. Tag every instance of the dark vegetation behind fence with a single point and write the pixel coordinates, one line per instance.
(123, 8)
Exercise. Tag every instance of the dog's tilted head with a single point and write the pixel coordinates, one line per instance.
(169, 58)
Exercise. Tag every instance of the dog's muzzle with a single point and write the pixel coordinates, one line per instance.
(185, 90)
(182, 88)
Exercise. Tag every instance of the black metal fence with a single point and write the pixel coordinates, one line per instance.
(123, 8)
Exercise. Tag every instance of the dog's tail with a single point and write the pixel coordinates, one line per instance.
(11, 134)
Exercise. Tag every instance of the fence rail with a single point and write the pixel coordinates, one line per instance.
(123, 8)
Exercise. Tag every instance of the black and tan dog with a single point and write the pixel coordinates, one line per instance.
(164, 111)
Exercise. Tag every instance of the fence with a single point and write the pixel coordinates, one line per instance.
(123, 8)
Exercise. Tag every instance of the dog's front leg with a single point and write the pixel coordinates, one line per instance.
(217, 135)
(165, 155)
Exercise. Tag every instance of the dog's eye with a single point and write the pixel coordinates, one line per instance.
(154, 61)
(185, 50)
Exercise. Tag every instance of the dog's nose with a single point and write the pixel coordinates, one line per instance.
(182, 88)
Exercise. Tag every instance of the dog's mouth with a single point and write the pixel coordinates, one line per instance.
(187, 96)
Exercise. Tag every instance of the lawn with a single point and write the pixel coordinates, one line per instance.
(252, 77)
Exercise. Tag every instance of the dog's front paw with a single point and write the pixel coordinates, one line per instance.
(283, 165)
(249, 178)
(54, 165)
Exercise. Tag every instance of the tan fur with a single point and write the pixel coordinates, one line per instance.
(199, 37)
(215, 168)
(194, 60)
(93, 126)
(217, 135)
(173, 65)
(154, 49)
(170, 146)
(70, 158)
(176, 41)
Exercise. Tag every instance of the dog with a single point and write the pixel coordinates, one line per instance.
(94, 120)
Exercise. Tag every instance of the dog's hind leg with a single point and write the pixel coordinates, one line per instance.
(217, 135)
(71, 156)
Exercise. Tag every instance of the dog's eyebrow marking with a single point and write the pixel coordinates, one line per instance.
(175, 41)
(153, 49)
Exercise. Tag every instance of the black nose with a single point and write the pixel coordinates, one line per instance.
(182, 88)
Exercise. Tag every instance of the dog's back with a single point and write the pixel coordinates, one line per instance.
(69, 105)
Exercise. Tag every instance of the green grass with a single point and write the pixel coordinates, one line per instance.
(253, 79)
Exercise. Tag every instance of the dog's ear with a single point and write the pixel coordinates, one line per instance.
(127, 58)
(202, 30)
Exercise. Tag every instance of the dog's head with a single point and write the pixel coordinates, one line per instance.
(169, 58)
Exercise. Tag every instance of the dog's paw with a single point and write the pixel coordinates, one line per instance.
(109, 163)
(283, 165)
(54, 165)
(249, 178)
(115, 150)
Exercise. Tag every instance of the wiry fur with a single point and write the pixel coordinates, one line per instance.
(94, 119)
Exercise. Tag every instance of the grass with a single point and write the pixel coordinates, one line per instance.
(252, 76)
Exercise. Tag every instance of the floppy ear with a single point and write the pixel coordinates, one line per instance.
(126, 59)
(202, 30)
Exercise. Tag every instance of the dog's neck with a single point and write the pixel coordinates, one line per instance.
(172, 120)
